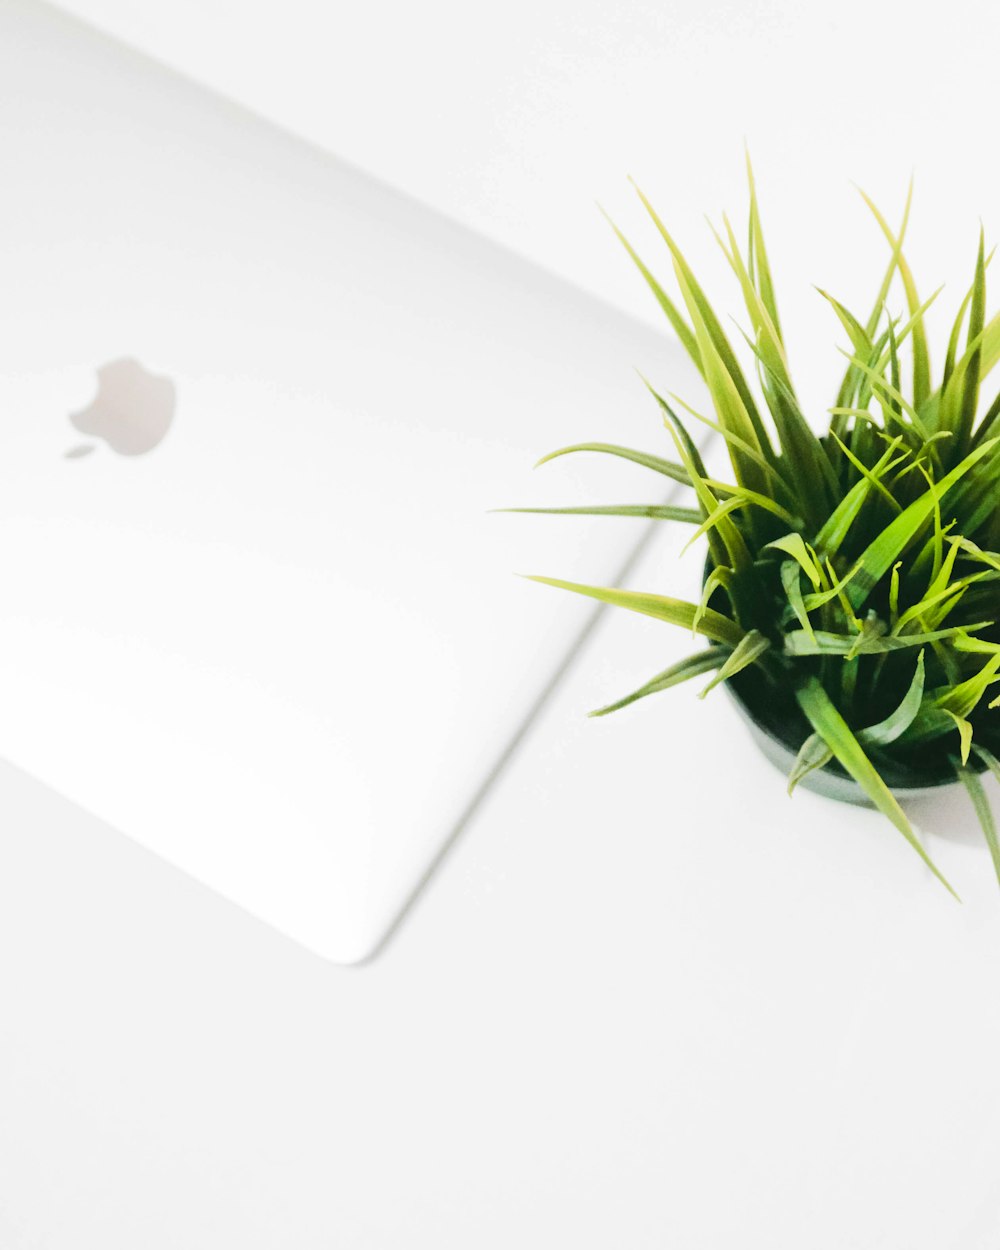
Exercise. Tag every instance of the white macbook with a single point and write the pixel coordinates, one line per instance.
(254, 409)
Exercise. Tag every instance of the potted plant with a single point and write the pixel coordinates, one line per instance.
(851, 596)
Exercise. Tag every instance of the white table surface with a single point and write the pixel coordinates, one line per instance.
(514, 118)
(610, 1020)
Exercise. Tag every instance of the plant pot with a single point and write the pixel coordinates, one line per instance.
(781, 745)
(779, 730)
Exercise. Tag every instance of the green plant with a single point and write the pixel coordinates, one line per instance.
(852, 576)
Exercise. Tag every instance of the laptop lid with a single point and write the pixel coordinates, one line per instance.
(254, 407)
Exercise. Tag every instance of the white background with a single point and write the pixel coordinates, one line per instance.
(610, 1020)
(515, 118)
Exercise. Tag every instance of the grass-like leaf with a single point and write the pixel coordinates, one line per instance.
(747, 651)
(813, 754)
(674, 316)
(655, 511)
(823, 642)
(921, 359)
(667, 467)
(902, 717)
(760, 269)
(836, 733)
(970, 779)
(682, 671)
(674, 611)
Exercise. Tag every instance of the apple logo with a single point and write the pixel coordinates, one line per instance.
(132, 410)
